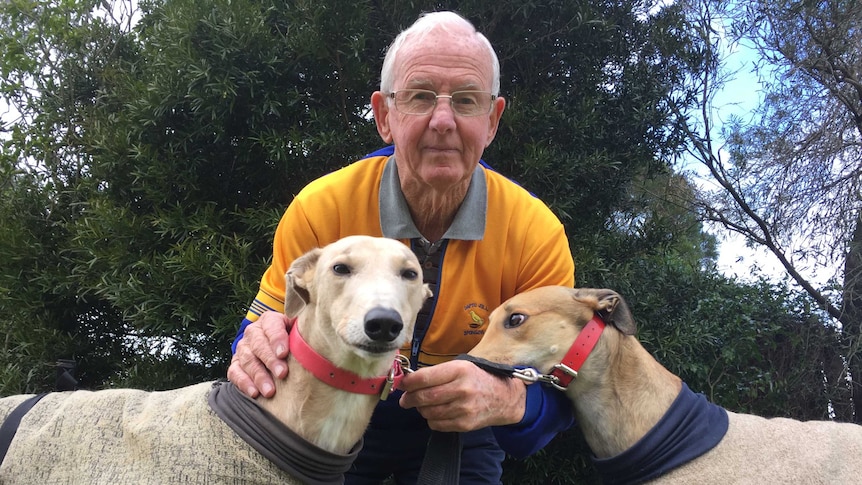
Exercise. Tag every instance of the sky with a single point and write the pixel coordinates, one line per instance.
(739, 97)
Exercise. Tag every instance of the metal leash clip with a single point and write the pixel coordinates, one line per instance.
(405, 364)
(402, 362)
(387, 385)
(530, 375)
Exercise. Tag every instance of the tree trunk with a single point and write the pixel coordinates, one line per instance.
(852, 311)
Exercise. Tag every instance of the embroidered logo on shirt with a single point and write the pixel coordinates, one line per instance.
(477, 320)
(478, 316)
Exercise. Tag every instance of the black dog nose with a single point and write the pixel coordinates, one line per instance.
(383, 324)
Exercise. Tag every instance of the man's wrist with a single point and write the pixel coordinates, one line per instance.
(519, 408)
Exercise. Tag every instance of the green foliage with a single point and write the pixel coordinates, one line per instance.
(167, 150)
(163, 156)
(790, 181)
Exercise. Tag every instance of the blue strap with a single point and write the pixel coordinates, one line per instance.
(442, 462)
(10, 426)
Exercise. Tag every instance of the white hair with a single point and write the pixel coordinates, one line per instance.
(426, 23)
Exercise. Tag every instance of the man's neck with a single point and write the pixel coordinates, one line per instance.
(433, 212)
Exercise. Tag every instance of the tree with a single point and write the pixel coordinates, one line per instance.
(168, 151)
(172, 144)
(790, 180)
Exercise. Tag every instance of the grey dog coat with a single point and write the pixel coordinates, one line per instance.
(125, 436)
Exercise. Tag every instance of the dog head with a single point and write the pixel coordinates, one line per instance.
(360, 292)
(536, 328)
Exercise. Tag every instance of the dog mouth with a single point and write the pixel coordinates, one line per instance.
(377, 348)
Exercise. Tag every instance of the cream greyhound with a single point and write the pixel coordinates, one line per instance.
(355, 300)
(640, 420)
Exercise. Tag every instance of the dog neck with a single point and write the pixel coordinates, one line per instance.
(620, 396)
(331, 418)
(343, 379)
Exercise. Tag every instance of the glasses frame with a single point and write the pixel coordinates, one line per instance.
(438, 96)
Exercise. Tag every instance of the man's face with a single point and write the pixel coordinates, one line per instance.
(439, 150)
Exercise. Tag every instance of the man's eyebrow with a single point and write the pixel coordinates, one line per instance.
(430, 85)
(420, 84)
(468, 86)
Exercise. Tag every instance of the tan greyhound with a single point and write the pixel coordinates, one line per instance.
(640, 420)
(355, 301)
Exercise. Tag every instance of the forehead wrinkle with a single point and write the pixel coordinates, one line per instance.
(419, 64)
(431, 85)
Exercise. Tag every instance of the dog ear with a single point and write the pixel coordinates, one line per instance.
(613, 309)
(297, 281)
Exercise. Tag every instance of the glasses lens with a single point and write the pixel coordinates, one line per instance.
(415, 101)
(422, 102)
(471, 103)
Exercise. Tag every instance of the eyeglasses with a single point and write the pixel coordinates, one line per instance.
(423, 101)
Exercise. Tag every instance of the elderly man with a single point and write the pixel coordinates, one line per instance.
(480, 237)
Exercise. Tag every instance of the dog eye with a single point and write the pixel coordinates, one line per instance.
(515, 320)
(409, 274)
(341, 268)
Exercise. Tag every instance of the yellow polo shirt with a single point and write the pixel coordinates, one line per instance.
(503, 241)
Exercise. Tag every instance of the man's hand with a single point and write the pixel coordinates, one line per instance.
(261, 354)
(458, 396)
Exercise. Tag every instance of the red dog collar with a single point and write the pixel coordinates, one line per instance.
(567, 370)
(339, 378)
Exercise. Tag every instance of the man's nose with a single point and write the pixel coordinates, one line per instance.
(443, 116)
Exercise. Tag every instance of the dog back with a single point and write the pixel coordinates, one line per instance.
(778, 450)
(130, 436)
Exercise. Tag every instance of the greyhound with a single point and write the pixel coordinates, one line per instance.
(641, 421)
(355, 303)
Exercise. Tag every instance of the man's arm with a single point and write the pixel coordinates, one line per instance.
(260, 352)
(548, 412)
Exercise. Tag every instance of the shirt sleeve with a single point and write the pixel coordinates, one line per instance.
(245, 323)
(548, 413)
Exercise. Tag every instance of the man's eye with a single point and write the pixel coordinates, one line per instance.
(466, 99)
(422, 96)
(341, 268)
(515, 320)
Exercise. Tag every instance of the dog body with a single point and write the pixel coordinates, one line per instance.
(129, 436)
(623, 399)
(355, 301)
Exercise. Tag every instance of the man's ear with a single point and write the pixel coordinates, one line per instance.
(494, 119)
(298, 281)
(614, 310)
(380, 108)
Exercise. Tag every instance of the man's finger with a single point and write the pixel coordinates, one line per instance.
(266, 340)
(255, 360)
(241, 380)
(275, 327)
